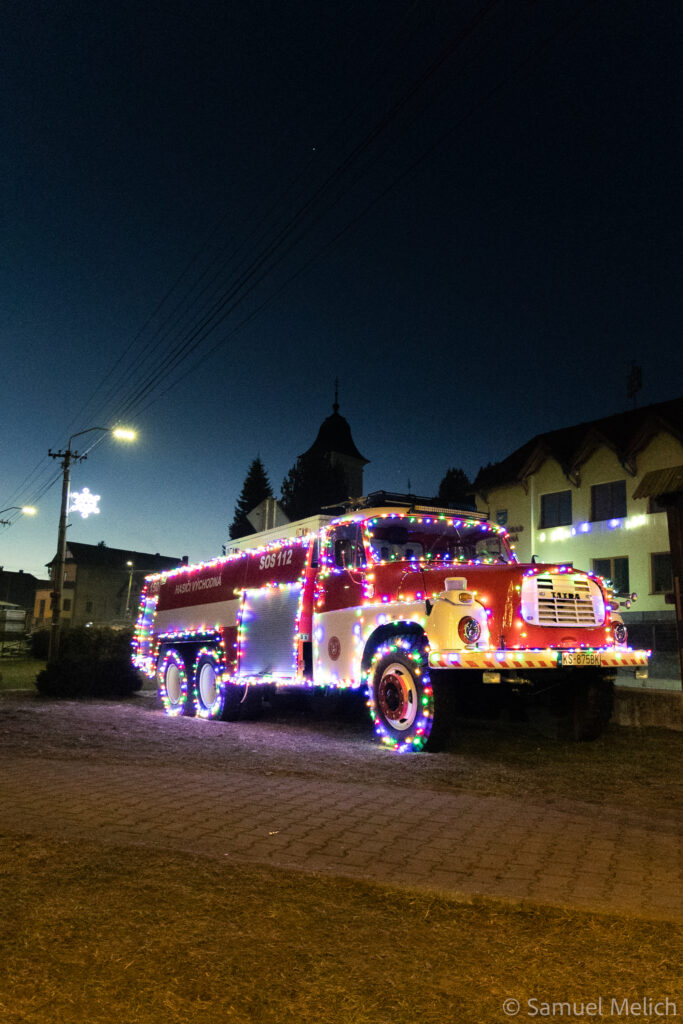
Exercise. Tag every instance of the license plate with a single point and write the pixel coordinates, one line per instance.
(579, 659)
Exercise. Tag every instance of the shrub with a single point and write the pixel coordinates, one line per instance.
(40, 642)
(91, 663)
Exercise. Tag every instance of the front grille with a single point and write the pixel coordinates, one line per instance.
(559, 599)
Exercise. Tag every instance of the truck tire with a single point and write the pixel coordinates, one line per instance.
(172, 684)
(401, 697)
(208, 688)
(578, 709)
(592, 707)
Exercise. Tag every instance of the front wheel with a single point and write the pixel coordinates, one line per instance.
(401, 697)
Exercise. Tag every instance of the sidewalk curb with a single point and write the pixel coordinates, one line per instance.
(662, 709)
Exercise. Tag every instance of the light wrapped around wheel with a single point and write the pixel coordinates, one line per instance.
(469, 630)
(620, 632)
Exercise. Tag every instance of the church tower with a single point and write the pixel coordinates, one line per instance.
(334, 441)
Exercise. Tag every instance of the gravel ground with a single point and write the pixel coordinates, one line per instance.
(626, 774)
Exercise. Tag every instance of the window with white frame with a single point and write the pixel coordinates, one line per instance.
(615, 571)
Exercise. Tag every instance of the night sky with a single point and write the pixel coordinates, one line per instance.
(470, 213)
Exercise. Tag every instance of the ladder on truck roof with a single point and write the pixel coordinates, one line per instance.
(413, 503)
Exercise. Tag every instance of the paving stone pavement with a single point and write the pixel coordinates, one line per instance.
(459, 843)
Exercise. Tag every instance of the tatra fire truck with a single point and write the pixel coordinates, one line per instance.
(417, 606)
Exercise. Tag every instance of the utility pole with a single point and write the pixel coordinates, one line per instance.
(67, 458)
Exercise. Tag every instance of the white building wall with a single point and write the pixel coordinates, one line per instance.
(636, 536)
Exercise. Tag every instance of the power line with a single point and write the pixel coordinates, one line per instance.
(235, 293)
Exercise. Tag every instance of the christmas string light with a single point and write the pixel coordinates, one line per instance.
(337, 616)
(417, 732)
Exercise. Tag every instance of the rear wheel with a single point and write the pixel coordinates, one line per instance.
(578, 709)
(208, 688)
(401, 697)
(172, 684)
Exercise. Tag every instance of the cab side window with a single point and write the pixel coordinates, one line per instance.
(348, 547)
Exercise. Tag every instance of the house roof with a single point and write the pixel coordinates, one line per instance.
(626, 433)
(659, 482)
(335, 436)
(18, 587)
(116, 558)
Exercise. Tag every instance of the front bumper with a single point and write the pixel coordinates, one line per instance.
(492, 661)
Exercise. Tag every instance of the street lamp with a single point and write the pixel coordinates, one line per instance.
(68, 456)
(131, 570)
(28, 510)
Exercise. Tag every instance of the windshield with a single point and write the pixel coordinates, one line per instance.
(413, 538)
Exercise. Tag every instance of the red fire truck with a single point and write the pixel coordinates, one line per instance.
(419, 606)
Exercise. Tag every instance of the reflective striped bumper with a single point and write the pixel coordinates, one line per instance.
(492, 661)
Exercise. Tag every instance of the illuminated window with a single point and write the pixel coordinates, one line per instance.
(615, 570)
(608, 501)
(556, 509)
(662, 574)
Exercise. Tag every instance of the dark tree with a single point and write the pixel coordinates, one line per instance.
(256, 487)
(312, 483)
(455, 489)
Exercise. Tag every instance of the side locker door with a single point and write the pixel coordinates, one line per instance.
(304, 625)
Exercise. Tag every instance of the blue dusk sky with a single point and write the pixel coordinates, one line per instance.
(470, 213)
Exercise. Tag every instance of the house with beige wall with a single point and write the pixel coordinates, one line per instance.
(101, 584)
(567, 497)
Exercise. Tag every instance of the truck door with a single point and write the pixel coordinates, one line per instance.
(339, 593)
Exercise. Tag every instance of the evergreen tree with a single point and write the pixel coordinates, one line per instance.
(312, 483)
(455, 489)
(256, 487)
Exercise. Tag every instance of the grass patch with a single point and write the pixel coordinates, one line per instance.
(19, 673)
(93, 935)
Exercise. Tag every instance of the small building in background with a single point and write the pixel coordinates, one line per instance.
(19, 588)
(102, 585)
(12, 627)
(567, 496)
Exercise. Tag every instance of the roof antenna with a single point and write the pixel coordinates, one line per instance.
(335, 407)
(634, 382)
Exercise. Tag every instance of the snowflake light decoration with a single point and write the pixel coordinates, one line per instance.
(85, 503)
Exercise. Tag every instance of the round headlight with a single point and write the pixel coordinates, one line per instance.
(620, 632)
(469, 630)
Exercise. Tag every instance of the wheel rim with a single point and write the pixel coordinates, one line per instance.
(173, 684)
(207, 685)
(397, 697)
